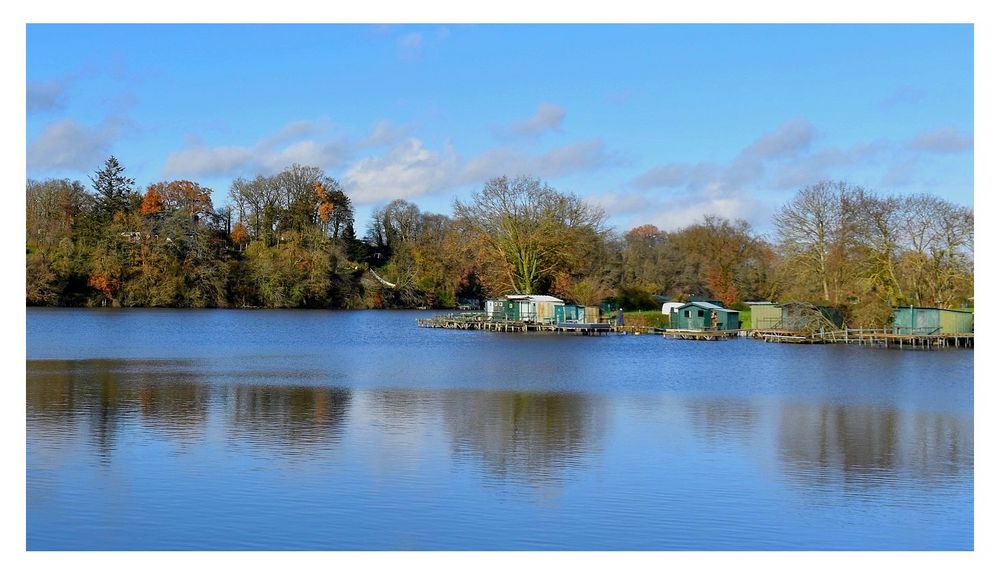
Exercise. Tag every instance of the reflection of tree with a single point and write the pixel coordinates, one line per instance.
(402, 408)
(171, 396)
(722, 419)
(104, 394)
(535, 436)
(865, 445)
(291, 416)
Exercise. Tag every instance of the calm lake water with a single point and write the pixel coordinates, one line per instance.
(317, 430)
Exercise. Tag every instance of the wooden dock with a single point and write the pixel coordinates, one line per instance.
(879, 337)
(479, 321)
(699, 334)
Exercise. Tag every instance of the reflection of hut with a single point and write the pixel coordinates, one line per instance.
(698, 316)
(764, 315)
(927, 320)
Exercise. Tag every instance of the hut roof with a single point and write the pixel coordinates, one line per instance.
(534, 298)
(709, 306)
(931, 308)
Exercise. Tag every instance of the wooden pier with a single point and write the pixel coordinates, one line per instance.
(699, 334)
(479, 321)
(879, 337)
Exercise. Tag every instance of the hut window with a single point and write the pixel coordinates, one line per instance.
(687, 314)
(701, 313)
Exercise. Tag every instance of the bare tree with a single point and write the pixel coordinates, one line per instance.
(531, 229)
(816, 232)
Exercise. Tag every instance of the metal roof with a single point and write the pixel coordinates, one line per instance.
(709, 306)
(534, 298)
(931, 308)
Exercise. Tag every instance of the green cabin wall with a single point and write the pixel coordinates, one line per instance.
(922, 320)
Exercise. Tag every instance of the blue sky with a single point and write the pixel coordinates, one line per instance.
(657, 123)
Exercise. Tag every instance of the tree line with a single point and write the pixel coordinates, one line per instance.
(288, 240)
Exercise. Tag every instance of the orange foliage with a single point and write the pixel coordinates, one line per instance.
(326, 208)
(240, 234)
(152, 202)
(326, 211)
(722, 286)
(104, 285)
(646, 230)
(562, 286)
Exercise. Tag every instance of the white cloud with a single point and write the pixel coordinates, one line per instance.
(271, 154)
(685, 211)
(779, 159)
(791, 138)
(943, 140)
(822, 164)
(200, 161)
(384, 132)
(407, 170)
(69, 144)
(548, 117)
(46, 96)
(411, 170)
(903, 95)
(411, 46)
(621, 204)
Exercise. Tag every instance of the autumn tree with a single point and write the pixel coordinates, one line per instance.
(152, 202)
(530, 230)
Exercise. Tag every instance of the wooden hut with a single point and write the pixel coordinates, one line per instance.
(805, 316)
(698, 316)
(764, 315)
(529, 308)
(924, 320)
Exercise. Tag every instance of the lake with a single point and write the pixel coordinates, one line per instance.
(357, 430)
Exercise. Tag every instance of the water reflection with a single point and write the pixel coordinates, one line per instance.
(530, 436)
(863, 446)
(296, 419)
(105, 398)
(723, 420)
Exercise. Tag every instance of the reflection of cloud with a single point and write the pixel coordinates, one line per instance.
(943, 140)
(69, 144)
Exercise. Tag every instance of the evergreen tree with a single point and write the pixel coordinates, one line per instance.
(114, 191)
